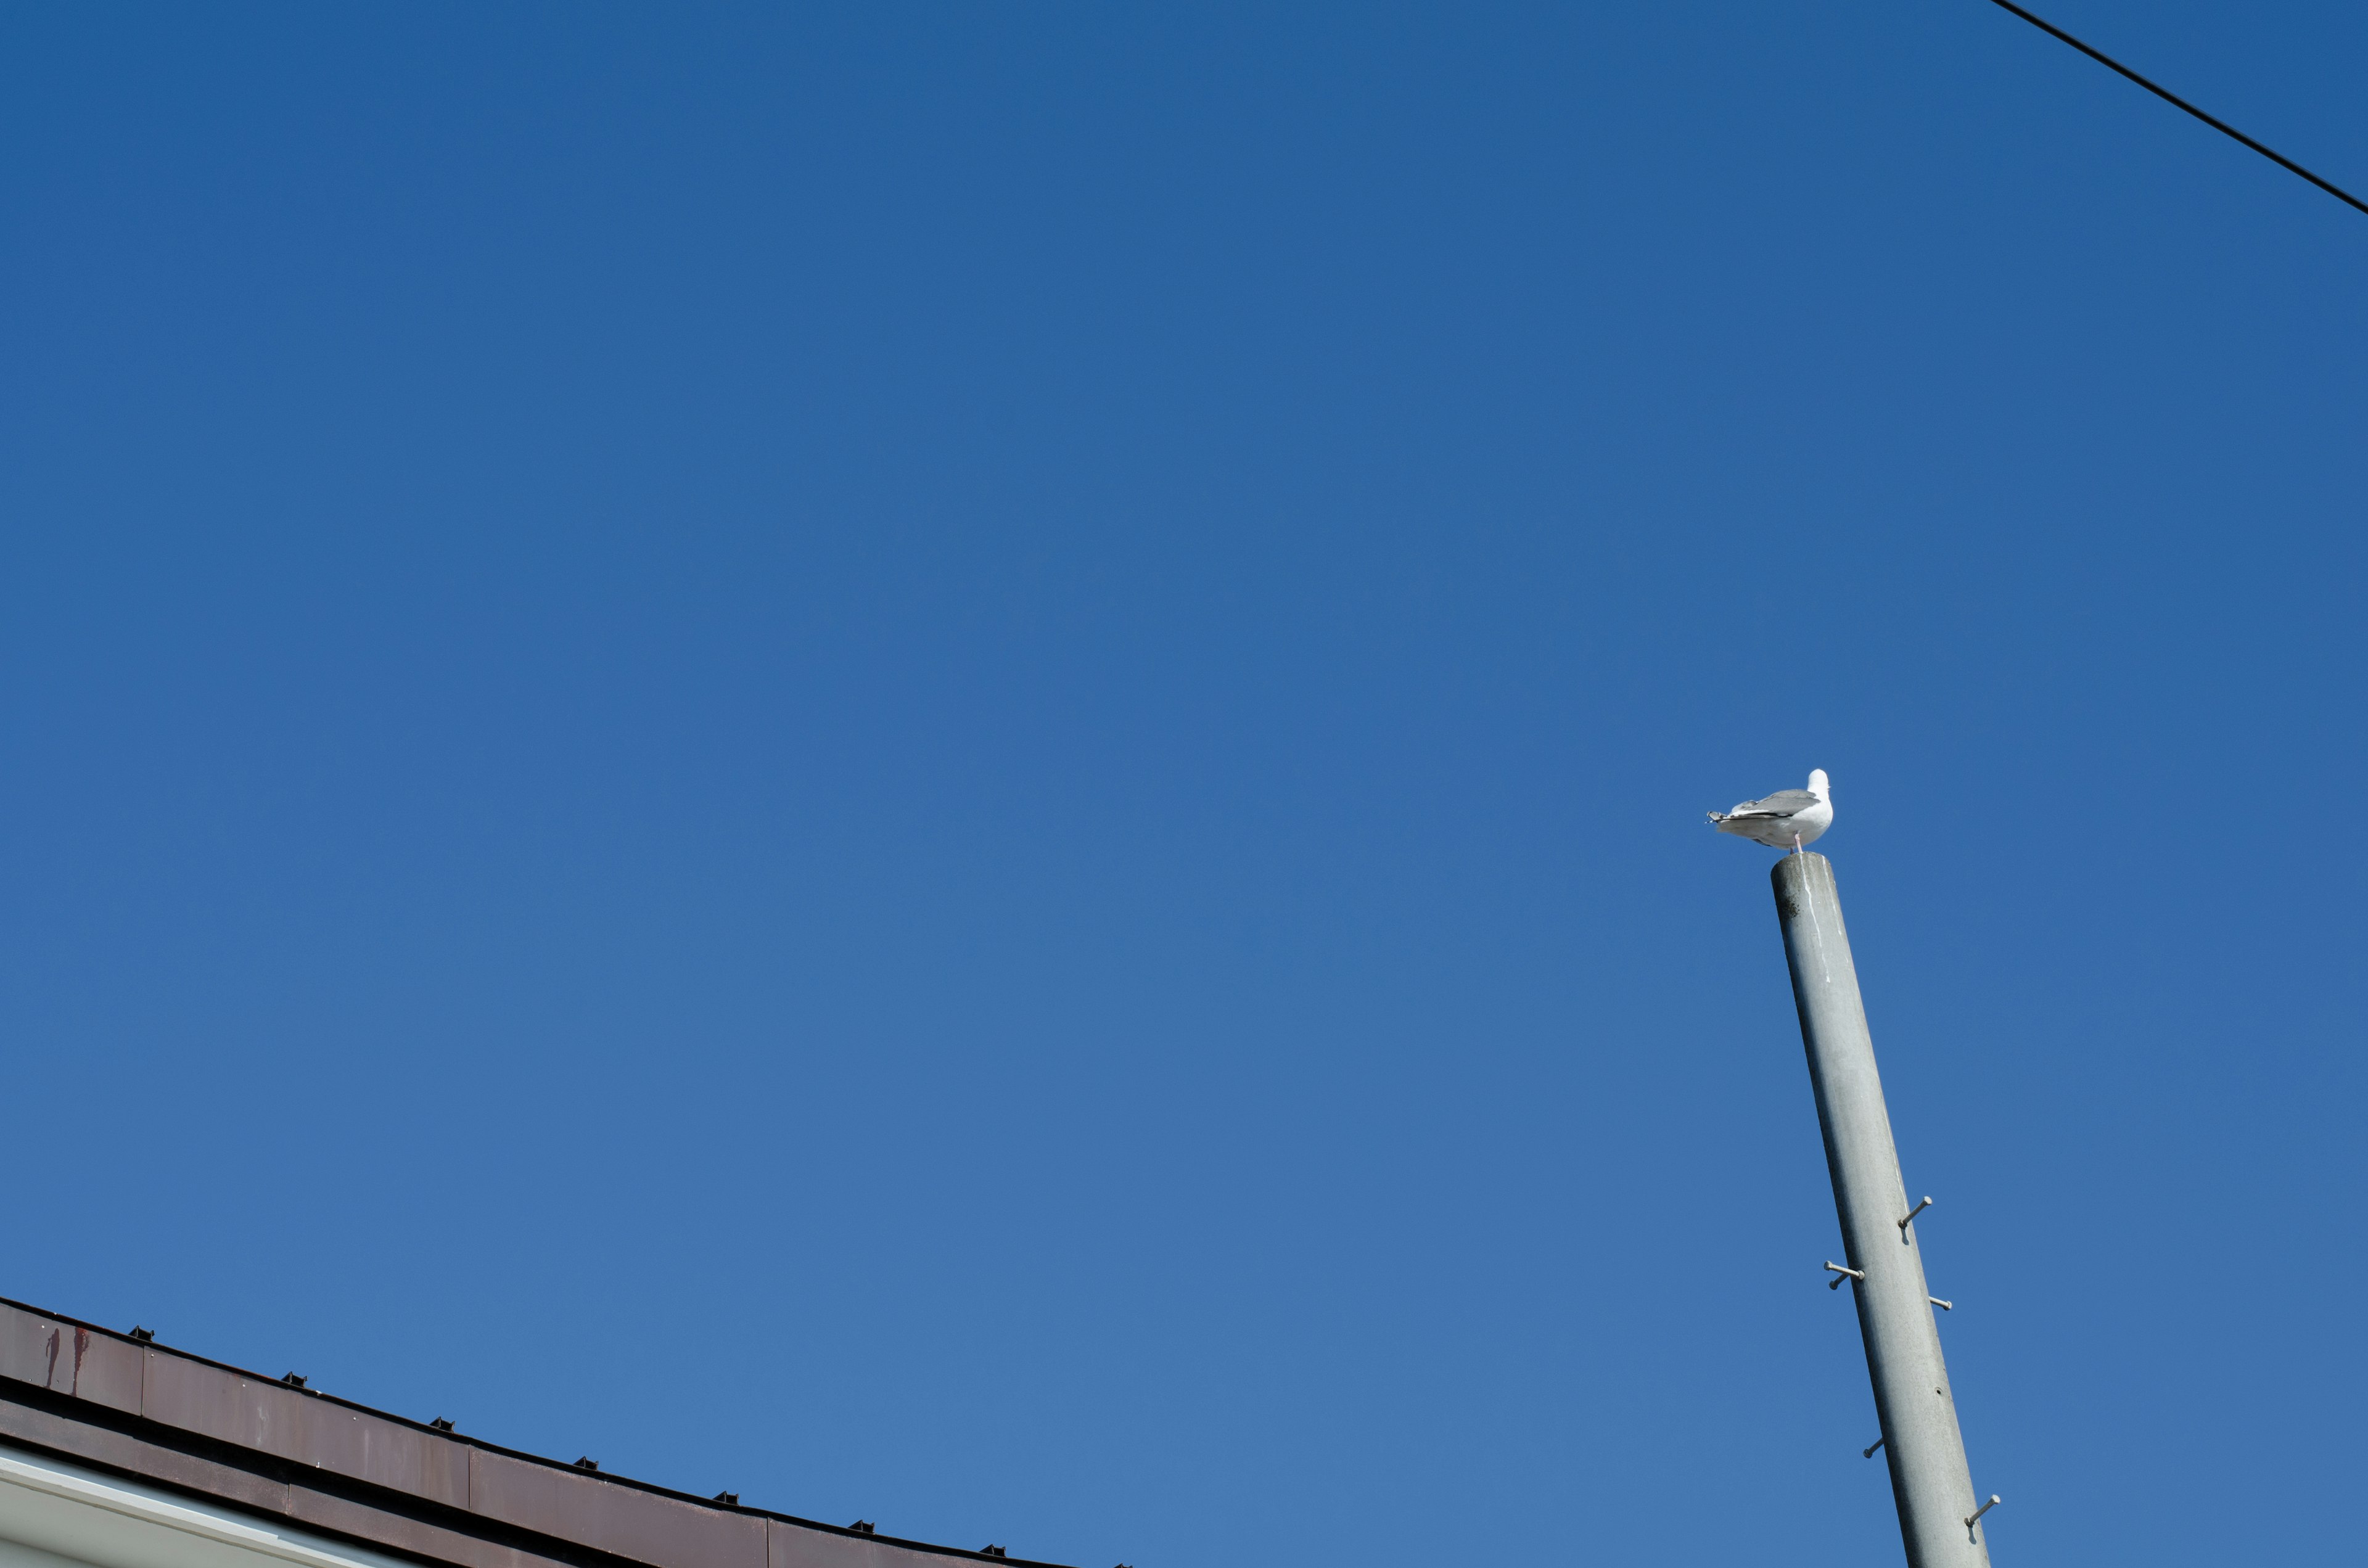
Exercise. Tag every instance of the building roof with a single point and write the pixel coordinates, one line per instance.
(271, 1447)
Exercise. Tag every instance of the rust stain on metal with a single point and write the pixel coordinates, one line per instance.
(264, 1439)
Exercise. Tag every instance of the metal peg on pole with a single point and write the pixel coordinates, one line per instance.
(1920, 1208)
(1929, 1479)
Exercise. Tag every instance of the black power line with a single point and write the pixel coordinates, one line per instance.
(2102, 58)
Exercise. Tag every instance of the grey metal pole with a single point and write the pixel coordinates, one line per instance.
(1929, 1479)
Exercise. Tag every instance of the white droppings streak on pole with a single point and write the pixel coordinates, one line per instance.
(1921, 1443)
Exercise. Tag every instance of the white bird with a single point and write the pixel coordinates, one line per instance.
(1789, 819)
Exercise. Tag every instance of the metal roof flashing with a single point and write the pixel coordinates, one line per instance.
(274, 1447)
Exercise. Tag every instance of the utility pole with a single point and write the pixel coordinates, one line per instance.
(1940, 1518)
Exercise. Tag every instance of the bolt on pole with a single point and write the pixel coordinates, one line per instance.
(1929, 1479)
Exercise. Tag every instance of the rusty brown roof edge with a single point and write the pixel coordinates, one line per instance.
(442, 1434)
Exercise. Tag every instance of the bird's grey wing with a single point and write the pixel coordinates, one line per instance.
(1782, 803)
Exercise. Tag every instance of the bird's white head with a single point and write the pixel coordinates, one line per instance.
(1818, 785)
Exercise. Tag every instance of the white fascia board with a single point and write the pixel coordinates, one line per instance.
(58, 1510)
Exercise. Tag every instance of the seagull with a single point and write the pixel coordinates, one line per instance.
(1789, 819)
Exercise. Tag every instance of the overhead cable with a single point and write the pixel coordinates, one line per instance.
(2102, 58)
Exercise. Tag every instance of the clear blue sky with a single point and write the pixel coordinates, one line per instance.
(946, 762)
